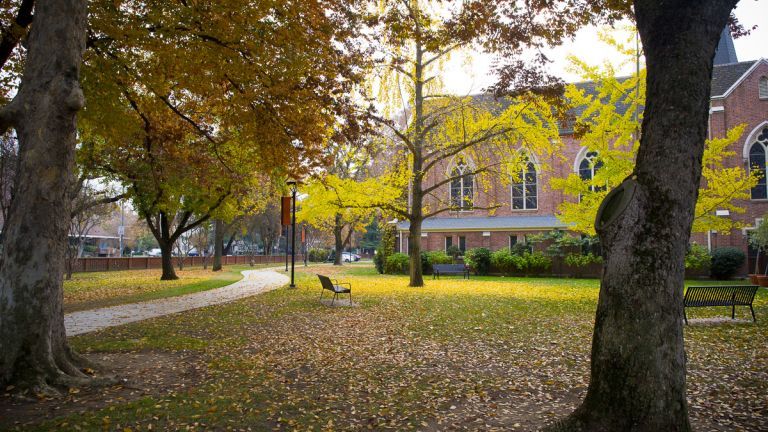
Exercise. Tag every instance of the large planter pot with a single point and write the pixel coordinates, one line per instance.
(753, 279)
(762, 280)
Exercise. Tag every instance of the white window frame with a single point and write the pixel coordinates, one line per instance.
(524, 184)
(758, 131)
(762, 87)
(462, 166)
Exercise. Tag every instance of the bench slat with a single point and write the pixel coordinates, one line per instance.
(724, 295)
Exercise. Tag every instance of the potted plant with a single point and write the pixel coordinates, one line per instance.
(758, 238)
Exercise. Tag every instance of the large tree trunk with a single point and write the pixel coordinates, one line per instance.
(33, 345)
(166, 248)
(338, 226)
(414, 253)
(218, 244)
(638, 358)
(417, 192)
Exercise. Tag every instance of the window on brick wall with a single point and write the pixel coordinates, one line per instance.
(763, 87)
(524, 188)
(588, 167)
(448, 242)
(462, 186)
(512, 241)
(462, 243)
(757, 164)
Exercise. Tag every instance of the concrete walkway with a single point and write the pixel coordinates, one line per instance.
(253, 282)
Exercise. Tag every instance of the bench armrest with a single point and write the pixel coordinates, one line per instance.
(336, 282)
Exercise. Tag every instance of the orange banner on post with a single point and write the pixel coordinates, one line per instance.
(285, 211)
(304, 234)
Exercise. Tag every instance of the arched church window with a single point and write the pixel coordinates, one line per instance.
(588, 166)
(462, 186)
(757, 164)
(525, 187)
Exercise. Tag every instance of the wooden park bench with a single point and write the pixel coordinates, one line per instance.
(446, 269)
(335, 287)
(726, 295)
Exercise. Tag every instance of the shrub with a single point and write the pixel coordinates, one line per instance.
(581, 260)
(479, 259)
(318, 254)
(397, 263)
(426, 267)
(520, 249)
(537, 262)
(378, 261)
(506, 262)
(385, 249)
(438, 257)
(725, 262)
(698, 257)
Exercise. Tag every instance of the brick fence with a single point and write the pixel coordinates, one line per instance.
(138, 263)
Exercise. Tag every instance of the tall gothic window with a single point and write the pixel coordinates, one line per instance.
(524, 190)
(588, 167)
(757, 164)
(462, 186)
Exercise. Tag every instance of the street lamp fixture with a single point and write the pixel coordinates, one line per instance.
(294, 185)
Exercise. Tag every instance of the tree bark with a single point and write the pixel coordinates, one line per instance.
(338, 226)
(165, 241)
(218, 244)
(414, 253)
(638, 359)
(33, 346)
(416, 216)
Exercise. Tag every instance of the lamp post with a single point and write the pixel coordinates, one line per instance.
(294, 186)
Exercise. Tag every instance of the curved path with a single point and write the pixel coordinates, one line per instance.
(253, 282)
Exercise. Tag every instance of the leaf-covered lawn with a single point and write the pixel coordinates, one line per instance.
(100, 289)
(483, 354)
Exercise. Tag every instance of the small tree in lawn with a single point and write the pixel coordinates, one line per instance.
(324, 208)
(433, 129)
(758, 238)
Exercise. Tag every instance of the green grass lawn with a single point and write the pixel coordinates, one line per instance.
(479, 354)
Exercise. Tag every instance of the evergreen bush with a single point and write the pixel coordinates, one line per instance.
(318, 254)
(397, 263)
(582, 260)
(725, 262)
(479, 259)
(697, 258)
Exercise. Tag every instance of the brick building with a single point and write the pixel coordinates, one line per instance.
(739, 95)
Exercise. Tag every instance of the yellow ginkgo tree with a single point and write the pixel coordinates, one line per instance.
(610, 111)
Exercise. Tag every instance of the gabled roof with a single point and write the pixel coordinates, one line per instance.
(726, 76)
(495, 223)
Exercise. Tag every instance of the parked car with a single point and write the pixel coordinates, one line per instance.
(154, 252)
(349, 257)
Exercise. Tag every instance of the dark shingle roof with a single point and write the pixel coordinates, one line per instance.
(725, 75)
(488, 223)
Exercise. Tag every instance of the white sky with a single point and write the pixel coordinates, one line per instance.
(467, 76)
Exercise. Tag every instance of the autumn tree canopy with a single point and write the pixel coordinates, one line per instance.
(274, 75)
